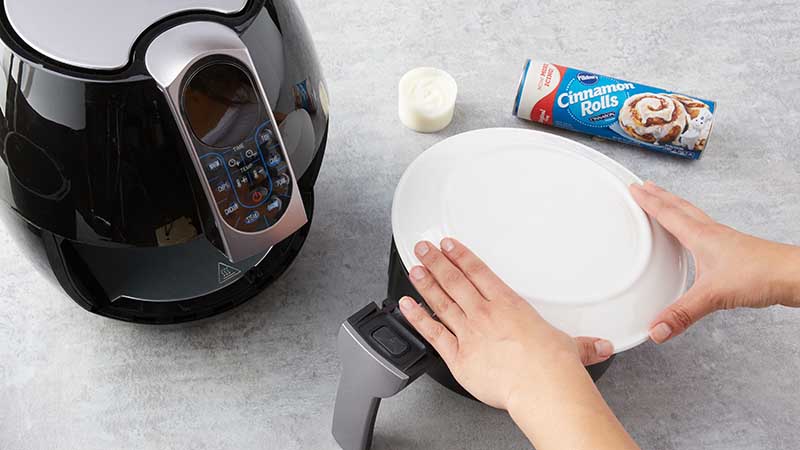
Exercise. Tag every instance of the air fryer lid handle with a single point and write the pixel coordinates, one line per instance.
(233, 141)
(380, 356)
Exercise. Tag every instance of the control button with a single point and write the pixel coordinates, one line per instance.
(250, 154)
(390, 341)
(235, 160)
(274, 204)
(222, 187)
(221, 190)
(232, 208)
(258, 195)
(241, 182)
(264, 136)
(273, 159)
(258, 174)
(213, 165)
(281, 181)
(251, 217)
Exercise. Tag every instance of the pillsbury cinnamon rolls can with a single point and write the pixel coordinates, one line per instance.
(614, 109)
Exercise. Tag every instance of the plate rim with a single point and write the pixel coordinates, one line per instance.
(599, 158)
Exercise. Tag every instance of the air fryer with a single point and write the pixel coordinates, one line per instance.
(160, 167)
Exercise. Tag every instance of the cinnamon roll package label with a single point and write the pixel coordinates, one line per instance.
(613, 109)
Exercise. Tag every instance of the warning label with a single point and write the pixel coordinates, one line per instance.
(226, 273)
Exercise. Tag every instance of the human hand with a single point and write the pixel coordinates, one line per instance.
(493, 341)
(732, 269)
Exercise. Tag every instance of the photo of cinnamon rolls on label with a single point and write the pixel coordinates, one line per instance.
(653, 117)
(614, 109)
(666, 119)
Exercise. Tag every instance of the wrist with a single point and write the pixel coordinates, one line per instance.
(788, 280)
(567, 411)
(547, 380)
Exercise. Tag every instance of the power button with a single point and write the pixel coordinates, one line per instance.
(259, 194)
(390, 341)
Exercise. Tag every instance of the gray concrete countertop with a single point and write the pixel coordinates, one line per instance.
(265, 375)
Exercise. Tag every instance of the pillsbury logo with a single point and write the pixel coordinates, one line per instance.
(587, 78)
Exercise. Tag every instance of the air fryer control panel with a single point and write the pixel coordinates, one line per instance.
(250, 181)
(237, 146)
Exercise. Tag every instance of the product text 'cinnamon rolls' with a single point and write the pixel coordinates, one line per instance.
(614, 109)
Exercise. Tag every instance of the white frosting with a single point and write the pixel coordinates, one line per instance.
(647, 106)
(426, 99)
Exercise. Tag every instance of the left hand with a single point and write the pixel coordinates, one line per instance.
(485, 327)
(506, 355)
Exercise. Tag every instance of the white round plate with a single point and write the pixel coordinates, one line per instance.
(554, 219)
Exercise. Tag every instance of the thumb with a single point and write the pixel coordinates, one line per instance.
(676, 318)
(594, 350)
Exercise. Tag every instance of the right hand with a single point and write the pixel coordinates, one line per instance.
(732, 269)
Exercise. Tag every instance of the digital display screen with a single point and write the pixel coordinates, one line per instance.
(221, 105)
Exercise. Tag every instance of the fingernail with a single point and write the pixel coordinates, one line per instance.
(448, 245)
(603, 348)
(660, 332)
(405, 304)
(417, 273)
(422, 249)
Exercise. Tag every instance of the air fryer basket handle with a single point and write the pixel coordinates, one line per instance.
(380, 356)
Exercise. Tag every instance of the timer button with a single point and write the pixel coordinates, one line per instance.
(250, 154)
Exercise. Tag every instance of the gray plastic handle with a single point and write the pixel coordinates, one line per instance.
(367, 377)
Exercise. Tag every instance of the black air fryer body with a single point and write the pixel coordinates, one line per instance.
(156, 196)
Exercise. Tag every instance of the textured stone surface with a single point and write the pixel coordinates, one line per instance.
(264, 375)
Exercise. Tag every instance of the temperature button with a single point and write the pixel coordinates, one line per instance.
(241, 182)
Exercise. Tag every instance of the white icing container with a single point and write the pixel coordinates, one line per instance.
(426, 99)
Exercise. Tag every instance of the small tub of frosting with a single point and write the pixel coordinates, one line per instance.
(426, 99)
